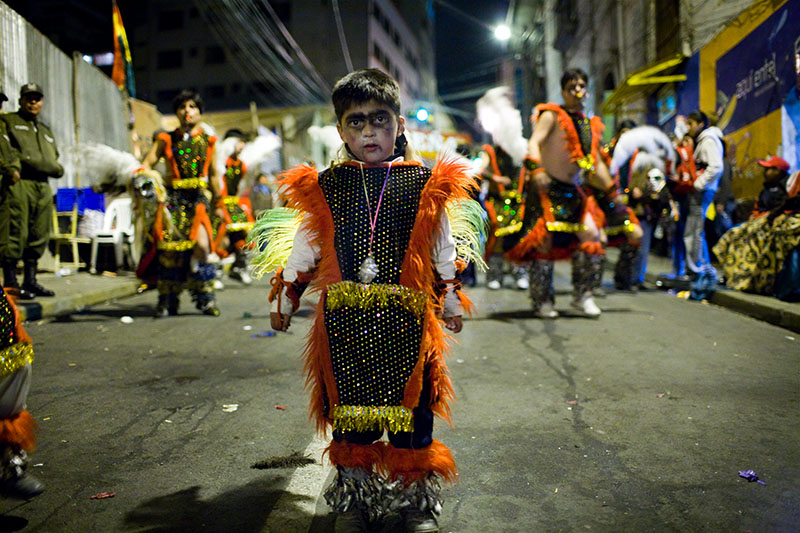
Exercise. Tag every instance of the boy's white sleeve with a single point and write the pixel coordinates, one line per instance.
(303, 258)
(444, 257)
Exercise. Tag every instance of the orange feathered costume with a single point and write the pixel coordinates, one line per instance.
(447, 181)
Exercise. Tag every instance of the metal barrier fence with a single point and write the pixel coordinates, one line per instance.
(81, 103)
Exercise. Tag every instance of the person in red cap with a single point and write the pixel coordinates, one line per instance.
(773, 194)
(752, 254)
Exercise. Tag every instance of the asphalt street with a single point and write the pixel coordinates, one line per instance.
(637, 421)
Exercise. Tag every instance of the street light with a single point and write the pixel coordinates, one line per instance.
(422, 114)
(502, 32)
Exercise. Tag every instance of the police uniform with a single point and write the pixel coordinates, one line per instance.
(30, 201)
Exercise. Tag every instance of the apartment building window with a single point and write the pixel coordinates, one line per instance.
(382, 58)
(215, 55)
(171, 19)
(169, 59)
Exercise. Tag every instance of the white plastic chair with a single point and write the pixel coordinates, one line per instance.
(117, 230)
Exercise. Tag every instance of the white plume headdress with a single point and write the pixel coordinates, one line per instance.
(503, 121)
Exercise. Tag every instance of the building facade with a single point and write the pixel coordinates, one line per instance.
(281, 53)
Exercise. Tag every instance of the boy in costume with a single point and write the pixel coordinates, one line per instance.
(375, 239)
(504, 182)
(563, 154)
(234, 216)
(17, 426)
(182, 229)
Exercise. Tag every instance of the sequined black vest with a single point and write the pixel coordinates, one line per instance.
(343, 187)
(8, 323)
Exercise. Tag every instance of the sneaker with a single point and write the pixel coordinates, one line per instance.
(241, 274)
(522, 283)
(420, 521)
(586, 306)
(218, 285)
(209, 309)
(494, 285)
(351, 521)
(23, 487)
(547, 311)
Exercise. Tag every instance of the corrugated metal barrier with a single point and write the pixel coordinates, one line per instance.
(81, 103)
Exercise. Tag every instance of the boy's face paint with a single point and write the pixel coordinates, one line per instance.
(188, 113)
(370, 130)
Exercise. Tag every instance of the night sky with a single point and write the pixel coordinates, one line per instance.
(467, 53)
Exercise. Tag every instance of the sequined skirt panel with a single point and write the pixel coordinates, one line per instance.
(374, 349)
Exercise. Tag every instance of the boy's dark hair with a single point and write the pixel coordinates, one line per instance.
(573, 74)
(183, 96)
(361, 86)
(699, 117)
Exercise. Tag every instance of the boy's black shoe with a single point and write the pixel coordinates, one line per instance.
(420, 521)
(23, 487)
(351, 521)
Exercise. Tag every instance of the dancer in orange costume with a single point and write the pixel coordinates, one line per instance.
(563, 153)
(182, 229)
(17, 426)
(376, 241)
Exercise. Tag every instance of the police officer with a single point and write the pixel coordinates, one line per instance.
(30, 200)
(9, 175)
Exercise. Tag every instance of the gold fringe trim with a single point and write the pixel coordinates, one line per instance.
(395, 418)
(626, 227)
(566, 227)
(352, 294)
(231, 200)
(190, 183)
(240, 226)
(15, 357)
(508, 230)
(175, 246)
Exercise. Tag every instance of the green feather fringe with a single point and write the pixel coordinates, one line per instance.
(272, 237)
(470, 227)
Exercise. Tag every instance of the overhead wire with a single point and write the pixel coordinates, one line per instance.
(342, 38)
(225, 27)
(281, 72)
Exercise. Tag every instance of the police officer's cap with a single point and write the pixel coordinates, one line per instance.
(30, 88)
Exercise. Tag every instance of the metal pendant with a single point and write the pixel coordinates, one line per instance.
(368, 270)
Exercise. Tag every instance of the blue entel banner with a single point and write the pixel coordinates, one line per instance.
(755, 76)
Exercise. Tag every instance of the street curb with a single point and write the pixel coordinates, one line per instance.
(46, 307)
(765, 308)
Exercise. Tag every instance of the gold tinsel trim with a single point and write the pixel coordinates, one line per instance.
(15, 357)
(240, 226)
(352, 294)
(175, 246)
(190, 183)
(395, 418)
(508, 230)
(231, 200)
(626, 227)
(566, 227)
